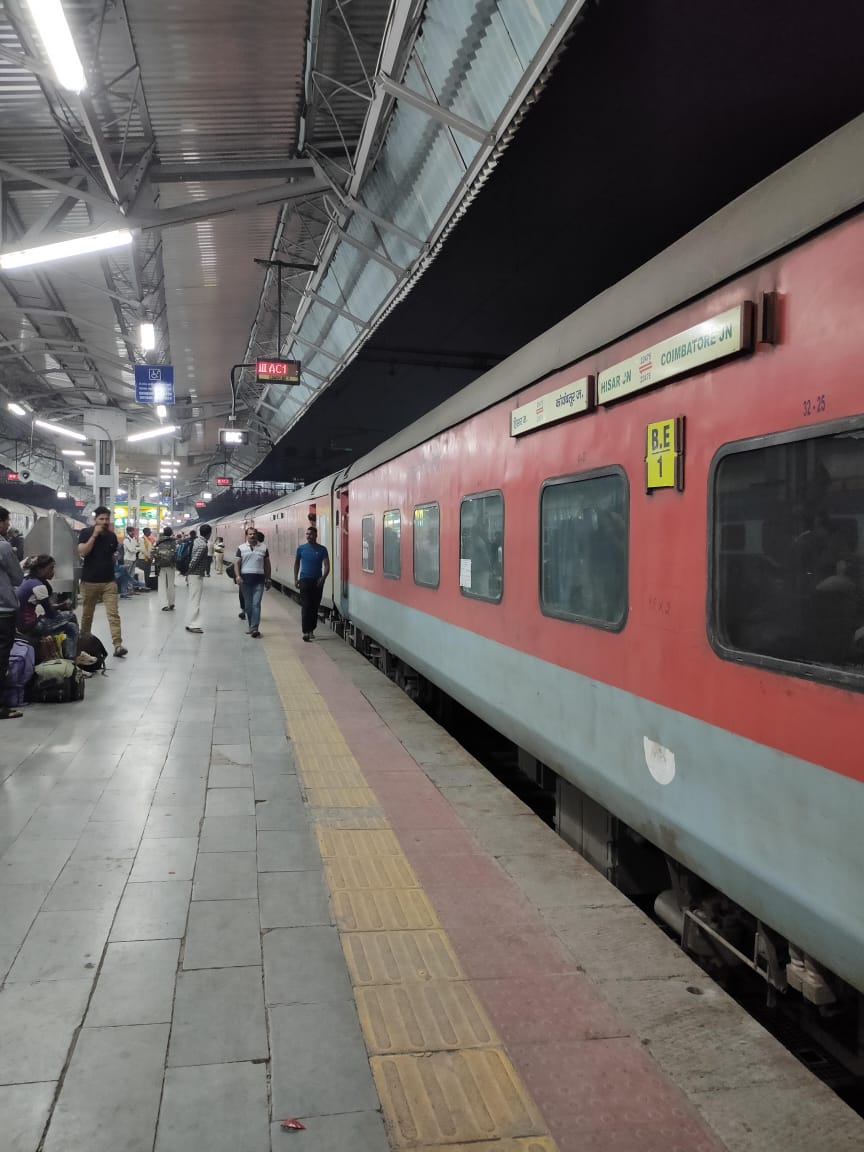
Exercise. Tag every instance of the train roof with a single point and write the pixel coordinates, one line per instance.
(819, 186)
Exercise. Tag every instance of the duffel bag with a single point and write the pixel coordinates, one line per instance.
(57, 682)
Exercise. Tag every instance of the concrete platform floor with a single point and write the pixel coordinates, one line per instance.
(249, 880)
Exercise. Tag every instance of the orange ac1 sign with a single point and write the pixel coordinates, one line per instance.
(277, 371)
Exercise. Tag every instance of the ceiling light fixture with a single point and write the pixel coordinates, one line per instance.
(79, 246)
(61, 495)
(152, 434)
(17, 409)
(60, 431)
(161, 411)
(152, 495)
(50, 19)
(147, 336)
(71, 451)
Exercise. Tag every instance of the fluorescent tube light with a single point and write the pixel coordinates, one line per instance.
(60, 431)
(56, 35)
(71, 451)
(79, 246)
(152, 495)
(207, 495)
(61, 495)
(147, 336)
(161, 411)
(152, 434)
(17, 409)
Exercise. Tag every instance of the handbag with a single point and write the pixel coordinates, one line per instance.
(229, 570)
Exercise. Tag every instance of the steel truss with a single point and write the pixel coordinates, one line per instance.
(347, 164)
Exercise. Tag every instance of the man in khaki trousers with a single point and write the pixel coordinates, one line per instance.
(97, 547)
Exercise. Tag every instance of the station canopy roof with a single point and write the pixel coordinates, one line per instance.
(336, 141)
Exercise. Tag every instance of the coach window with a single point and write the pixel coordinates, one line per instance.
(583, 549)
(788, 553)
(367, 543)
(481, 546)
(393, 544)
(426, 545)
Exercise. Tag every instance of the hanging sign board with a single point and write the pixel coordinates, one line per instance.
(224, 481)
(569, 400)
(277, 371)
(664, 454)
(154, 383)
(722, 336)
(233, 436)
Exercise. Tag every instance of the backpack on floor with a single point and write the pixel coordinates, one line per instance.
(22, 661)
(94, 647)
(57, 682)
(183, 557)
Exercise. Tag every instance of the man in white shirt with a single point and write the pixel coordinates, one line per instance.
(130, 552)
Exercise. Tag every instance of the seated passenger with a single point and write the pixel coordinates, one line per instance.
(38, 615)
(123, 580)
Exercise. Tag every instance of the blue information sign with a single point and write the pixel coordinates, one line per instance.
(154, 383)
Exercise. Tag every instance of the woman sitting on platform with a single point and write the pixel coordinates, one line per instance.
(38, 615)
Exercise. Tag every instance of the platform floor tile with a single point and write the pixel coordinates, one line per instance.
(331, 777)
(392, 909)
(370, 872)
(351, 842)
(453, 1097)
(347, 818)
(400, 957)
(435, 1016)
(529, 1144)
(339, 797)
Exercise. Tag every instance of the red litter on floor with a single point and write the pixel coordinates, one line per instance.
(293, 1126)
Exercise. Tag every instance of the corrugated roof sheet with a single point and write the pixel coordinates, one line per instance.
(223, 82)
(471, 59)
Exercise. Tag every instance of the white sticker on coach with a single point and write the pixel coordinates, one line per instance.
(660, 761)
(464, 573)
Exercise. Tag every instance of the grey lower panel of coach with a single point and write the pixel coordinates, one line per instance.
(778, 835)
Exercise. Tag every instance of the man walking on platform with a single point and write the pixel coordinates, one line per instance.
(195, 574)
(10, 577)
(97, 547)
(252, 575)
(311, 569)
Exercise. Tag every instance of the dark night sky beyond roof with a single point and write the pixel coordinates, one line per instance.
(657, 115)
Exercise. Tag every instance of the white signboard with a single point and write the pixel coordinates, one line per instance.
(721, 336)
(571, 399)
(464, 573)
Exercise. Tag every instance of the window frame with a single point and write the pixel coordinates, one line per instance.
(575, 478)
(425, 583)
(363, 520)
(480, 496)
(815, 673)
(390, 512)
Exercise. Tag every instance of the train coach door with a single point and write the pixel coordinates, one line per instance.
(343, 548)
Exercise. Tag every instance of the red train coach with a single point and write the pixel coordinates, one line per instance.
(647, 568)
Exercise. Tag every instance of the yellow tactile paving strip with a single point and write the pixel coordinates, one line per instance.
(444, 1080)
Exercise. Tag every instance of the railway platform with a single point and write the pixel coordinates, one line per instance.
(246, 881)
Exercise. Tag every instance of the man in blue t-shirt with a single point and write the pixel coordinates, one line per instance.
(311, 569)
